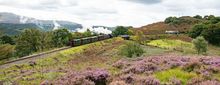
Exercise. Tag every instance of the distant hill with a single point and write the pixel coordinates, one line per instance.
(13, 24)
(184, 24)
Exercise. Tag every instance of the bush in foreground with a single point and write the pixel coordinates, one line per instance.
(132, 49)
(200, 45)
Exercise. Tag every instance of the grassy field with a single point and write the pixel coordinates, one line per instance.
(176, 45)
(183, 47)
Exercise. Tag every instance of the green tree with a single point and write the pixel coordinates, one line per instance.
(61, 37)
(46, 41)
(77, 35)
(139, 37)
(120, 30)
(130, 32)
(200, 44)
(198, 17)
(132, 49)
(87, 33)
(28, 41)
(212, 34)
(209, 17)
(215, 20)
(197, 30)
(168, 20)
(172, 20)
(7, 40)
(6, 51)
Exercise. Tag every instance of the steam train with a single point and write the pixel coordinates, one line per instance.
(82, 41)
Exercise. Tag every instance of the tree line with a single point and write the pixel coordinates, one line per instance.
(206, 26)
(33, 40)
(209, 29)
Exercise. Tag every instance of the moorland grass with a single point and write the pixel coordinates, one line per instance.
(183, 76)
(176, 45)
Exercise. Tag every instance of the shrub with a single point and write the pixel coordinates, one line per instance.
(98, 76)
(61, 37)
(6, 51)
(139, 37)
(200, 45)
(212, 34)
(121, 30)
(197, 30)
(192, 66)
(132, 49)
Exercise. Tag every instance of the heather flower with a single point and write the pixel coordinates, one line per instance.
(118, 83)
(98, 76)
(210, 61)
(74, 79)
(195, 81)
(175, 81)
(129, 78)
(151, 81)
(121, 64)
(206, 75)
(140, 67)
(213, 69)
(210, 82)
(192, 66)
(185, 59)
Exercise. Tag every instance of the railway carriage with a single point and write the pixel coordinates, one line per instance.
(85, 40)
(94, 39)
(101, 37)
(82, 41)
(76, 42)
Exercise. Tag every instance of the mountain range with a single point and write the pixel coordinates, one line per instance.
(13, 24)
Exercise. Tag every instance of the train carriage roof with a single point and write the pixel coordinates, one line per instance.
(77, 39)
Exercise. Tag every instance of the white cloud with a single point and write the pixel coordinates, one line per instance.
(110, 12)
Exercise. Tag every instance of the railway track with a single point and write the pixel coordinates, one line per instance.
(31, 57)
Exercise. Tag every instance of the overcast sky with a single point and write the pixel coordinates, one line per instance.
(110, 12)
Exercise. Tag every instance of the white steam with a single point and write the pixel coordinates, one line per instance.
(98, 30)
(56, 25)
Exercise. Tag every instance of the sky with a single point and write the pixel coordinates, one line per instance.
(110, 12)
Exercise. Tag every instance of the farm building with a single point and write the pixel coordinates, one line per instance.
(172, 32)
